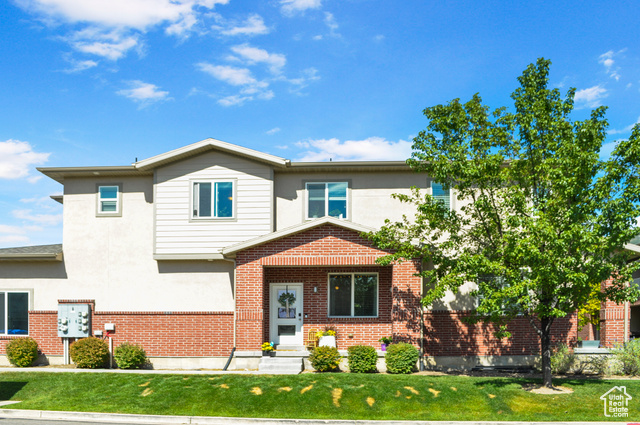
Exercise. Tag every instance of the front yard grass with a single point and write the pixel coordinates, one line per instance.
(314, 396)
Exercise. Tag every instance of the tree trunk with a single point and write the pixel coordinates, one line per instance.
(545, 344)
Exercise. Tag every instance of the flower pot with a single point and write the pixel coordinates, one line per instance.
(268, 354)
(383, 347)
(327, 341)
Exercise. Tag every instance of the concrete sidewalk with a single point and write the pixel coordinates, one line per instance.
(208, 420)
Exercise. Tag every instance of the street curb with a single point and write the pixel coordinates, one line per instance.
(211, 420)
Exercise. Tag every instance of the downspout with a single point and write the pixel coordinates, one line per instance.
(235, 305)
(420, 309)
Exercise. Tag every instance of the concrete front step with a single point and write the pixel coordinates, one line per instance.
(281, 365)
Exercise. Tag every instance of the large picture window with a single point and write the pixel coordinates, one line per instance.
(353, 294)
(213, 199)
(14, 313)
(327, 199)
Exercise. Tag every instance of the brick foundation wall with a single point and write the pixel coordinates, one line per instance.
(447, 334)
(197, 334)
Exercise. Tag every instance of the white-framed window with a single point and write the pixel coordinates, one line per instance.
(213, 199)
(109, 200)
(327, 198)
(14, 313)
(353, 294)
(441, 194)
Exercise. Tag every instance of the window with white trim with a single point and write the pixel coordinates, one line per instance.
(14, 313)
(328, 198)
(441, 194)
(353, 294)
(212, 199)
(109, 200)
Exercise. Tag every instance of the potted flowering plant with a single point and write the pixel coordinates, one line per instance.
(327, 337)
(267, 349)
(385, 341)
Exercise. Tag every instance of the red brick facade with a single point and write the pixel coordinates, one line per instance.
(307, 257)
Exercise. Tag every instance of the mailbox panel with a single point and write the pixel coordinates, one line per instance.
(74, 320)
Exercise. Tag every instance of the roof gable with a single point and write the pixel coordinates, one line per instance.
(206, 145)
(233, 249)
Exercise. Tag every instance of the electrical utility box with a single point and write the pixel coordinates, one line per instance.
(74, 320)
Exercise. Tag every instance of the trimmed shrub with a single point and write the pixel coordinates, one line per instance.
(89, 353)
(22, 352)
(401, 358)
(628, 357)
(130, 356)
(325, 359)
(562, 360)
(362, 359)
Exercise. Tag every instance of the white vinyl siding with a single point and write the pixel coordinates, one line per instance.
(177, 231)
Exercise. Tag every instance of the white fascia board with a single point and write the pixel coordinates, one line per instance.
(232, 249)
(184, 151)
(176, 257)
(632, 247)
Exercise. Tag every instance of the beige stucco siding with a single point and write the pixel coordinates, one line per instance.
(176, 232)
(369, 197)
(110, 260)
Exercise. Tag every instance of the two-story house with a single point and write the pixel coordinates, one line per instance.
(213, 246)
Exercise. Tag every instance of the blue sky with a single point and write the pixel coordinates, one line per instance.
(102, 82)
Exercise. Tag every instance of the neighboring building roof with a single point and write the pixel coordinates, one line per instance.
(203, 146)
(32, 253)
(233, 249)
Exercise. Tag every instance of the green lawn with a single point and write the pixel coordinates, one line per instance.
(319, 396)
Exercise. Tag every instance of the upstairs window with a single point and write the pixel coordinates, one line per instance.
(213, 199)
(109, 200)
(327, 199)
(353, 295)
(14, 313)
(441, 194)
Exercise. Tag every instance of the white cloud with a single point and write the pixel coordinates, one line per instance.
(79, 66)
(43, 219)
(273, 131)
(591, 97)
(627, 129)
(330, 22)
(251, 55)
(290, 7)
(143, 93)
(308, 75)
(379, 37)
(253, 25)
(370, 149)
(234, 100)
(17, 158)
(13, 239)
(607, 60)
(99, 20)
(11, 229)
(228, 74)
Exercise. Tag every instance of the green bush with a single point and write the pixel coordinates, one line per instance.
(562, 360)
(130, 356)
(89, 353)
(628, 357)
(401, 358)
(325, 359)
(362, 359)
(22, 352)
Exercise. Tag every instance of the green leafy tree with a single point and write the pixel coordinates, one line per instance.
(541, 218)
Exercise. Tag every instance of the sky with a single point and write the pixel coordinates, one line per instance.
(103, 82)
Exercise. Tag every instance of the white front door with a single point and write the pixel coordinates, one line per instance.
(286, 316)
